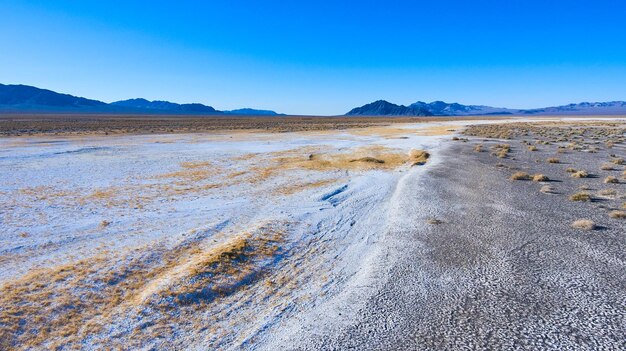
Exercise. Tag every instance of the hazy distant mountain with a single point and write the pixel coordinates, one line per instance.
(24, 98)
(385, 108)
(251, 111)
(440, 108)
(583, 108)
(166, 106)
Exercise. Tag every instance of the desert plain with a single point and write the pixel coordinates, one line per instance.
(312, 233)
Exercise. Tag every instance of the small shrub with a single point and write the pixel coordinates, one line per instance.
(581, 196)
(478, 148)
(618, 161)
(607, 192)
(580, 174)
(570, 170)
(532, 148)
(607, 167)
(553, 160)
(611, 180)
(520, 176)
(584, 224)
(540, 178)
(547, 189)
(617, 214)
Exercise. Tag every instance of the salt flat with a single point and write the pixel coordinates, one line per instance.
(315, 239)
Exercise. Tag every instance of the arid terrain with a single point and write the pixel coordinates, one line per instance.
(90, 124)
(312, 233)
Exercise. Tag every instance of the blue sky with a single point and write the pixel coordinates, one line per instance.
(319, 57)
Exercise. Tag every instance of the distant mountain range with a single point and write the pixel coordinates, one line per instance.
(440, 108)
(28, 99)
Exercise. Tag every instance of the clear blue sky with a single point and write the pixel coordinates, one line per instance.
(319, 57)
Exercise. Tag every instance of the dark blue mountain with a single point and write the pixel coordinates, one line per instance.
(25, 99)
(385, 108)
(440, 108)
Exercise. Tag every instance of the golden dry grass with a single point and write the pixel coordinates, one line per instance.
(553, 160)
(580, 196)
(584, 224)
(67, 303)
(610, 180)
(617, 214)
(580, 174)
(540, 178)
(520, 176)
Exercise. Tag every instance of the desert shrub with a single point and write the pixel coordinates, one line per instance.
(570, 170)
(478, 148)
(580, 174)
(611, 180)
(584, 224)
(540, 178)
(532, 148)
(553, 160)
(617, 214)
(547, 189)
(520, 176)
(606, 167)
(607, 192)
(581, 196)
(618, 161)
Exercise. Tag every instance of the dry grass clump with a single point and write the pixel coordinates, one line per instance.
(584, 224)
(501, 150)
(624, 174)
(418, 157)
(547, 189)
(580, 174)
(607, 167)
(607, 192)
(580, 196)
(618, 161)
(478, 148)
(617, 214)
(520, 176)
(532, 148)
(570, 170)
(553, 160)
(540, 178)
(611, 180)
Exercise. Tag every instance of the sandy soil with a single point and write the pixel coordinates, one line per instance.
(314, 240)
(67, 125)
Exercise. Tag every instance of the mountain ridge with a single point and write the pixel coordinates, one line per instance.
(19, 98)
(440, 108)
